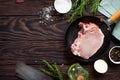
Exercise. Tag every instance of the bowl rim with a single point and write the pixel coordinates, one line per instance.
(104, 62)
(118, 62)
(62, 12)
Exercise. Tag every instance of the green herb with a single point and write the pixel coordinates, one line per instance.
(80, 5)
(48, 65)
(75, 4)
(94, 6)
(58, 72)
(52, 71)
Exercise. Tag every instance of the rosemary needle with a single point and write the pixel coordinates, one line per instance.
(52, 71)
(94, 6)
(80, 5)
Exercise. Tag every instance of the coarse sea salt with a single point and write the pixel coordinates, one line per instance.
(45, 14)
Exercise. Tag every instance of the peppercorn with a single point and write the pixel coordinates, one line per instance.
(115, 54)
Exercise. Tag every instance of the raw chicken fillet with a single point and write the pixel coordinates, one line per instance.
(90, 38)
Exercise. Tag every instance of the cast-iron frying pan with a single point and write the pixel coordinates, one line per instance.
(72, 33)
(73, 29)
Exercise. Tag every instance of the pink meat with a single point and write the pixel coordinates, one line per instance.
(90, 38)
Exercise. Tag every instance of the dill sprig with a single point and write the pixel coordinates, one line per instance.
(52, 71)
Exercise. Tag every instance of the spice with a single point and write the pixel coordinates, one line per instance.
(46, 15)
(115, 54)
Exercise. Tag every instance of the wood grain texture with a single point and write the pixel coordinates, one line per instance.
(32, 51)
(29, 7)
(7, 72)
(29, 35)
(17, 28)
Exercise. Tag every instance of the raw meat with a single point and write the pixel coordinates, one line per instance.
(90, 38)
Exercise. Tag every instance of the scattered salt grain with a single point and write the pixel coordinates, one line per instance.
(51, 20)
(41, 22)
(46, 13)
(36, 61)
(62, 65)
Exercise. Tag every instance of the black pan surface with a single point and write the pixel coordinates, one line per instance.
(73, 29)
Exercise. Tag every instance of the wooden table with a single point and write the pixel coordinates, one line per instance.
(32, 31)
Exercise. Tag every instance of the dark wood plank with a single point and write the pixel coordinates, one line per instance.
(32, 31)
(32, 52)
(8, 72)
(31, 28)
(29, 7)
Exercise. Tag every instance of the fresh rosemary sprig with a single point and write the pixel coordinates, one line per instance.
(60, 76)
(52, 71)
(75, 4)
(80, 5)
(50, 67)
(94, 6)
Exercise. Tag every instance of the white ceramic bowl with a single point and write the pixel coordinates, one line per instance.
(100, 66)
(63, 6)
(115, 62)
